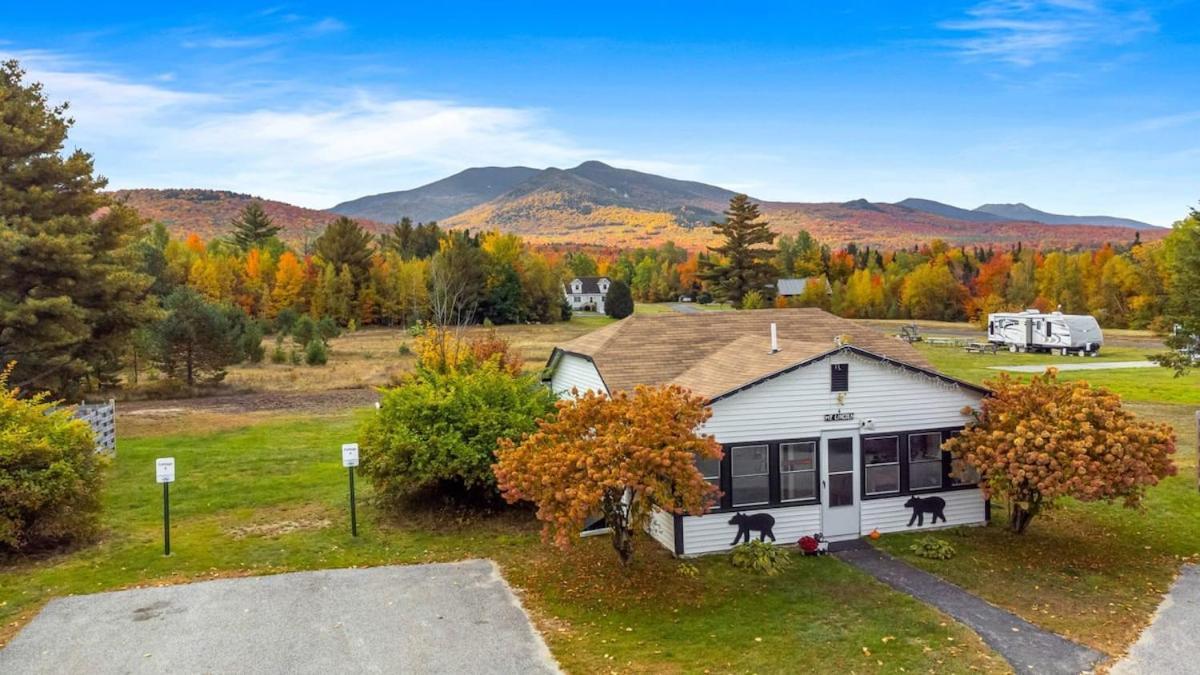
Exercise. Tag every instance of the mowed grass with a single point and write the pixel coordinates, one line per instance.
(272, 497)
(1149, 385)
(1094, 572)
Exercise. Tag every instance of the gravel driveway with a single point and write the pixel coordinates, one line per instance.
(442, 618)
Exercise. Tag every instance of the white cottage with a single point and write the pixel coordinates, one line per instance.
(587, 293)
(828, 426)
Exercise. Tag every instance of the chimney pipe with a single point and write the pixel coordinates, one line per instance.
(774, 339)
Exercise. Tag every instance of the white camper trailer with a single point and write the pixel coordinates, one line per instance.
(1032, 331)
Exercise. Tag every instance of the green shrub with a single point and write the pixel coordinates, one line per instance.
(405, 350)
(327, 329)
(50, 474)
(933, 548)
(251, 341)
(295, 357)
(619, 302)
(687, 570)
(315, 353)
(761, 557)
(286, 320)
(304, 331)
(439, 430)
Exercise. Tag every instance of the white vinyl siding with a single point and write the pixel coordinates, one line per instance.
(963, 507)
(793, 405)
(712, 532)
(662, 528)
(575, 372)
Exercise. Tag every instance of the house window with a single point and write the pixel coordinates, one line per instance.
(797, 471)
(881, 461)
(751, 475)
(577, 298)
(924, 461)
(839, 377)
(710, 469)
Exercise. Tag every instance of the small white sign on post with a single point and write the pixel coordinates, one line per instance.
(164, 469)
(350, 455)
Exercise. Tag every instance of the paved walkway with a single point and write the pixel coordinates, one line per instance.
(1094, 365)
(685, 308)
(446, 618)
(1169, 644)
(1027, 648)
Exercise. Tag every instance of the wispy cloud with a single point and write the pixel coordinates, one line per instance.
(1029, 32)
(1168, 121)
(337, 145)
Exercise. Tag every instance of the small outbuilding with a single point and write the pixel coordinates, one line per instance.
(827, 426)
(787, 288)
(587, 293)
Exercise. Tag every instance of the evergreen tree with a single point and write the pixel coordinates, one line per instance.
(197, 339)
(744, 264)
(345, 243)
(70, 290)
(618, 303)
(253, 228)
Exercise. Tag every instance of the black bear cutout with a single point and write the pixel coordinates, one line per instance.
(933, 505)
(760, 522)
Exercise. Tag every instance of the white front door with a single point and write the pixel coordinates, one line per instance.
(839, 485)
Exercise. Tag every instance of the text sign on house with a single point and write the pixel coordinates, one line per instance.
(164, 469)
(839, 417)
(350, 455)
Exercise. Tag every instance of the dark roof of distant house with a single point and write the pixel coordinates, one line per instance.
(715, 353)
(797, 286)
(590, 284)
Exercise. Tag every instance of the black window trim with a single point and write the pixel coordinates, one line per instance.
(947, 463)
(725, 504)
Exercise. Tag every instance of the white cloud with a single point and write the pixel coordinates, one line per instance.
(336, 146)
(1028, 32)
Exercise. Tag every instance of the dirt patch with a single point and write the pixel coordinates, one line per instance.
(277, 528)
(295, 401)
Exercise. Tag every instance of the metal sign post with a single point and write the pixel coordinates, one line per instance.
(164, 471)
(350, 460)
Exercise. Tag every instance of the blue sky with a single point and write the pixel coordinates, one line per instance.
(1076, 106)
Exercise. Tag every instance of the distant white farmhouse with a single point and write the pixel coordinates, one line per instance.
(587, 293)
(827, 426)
(796, 287)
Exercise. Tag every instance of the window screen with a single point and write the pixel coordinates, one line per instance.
(750, 466)
(797, 471)
(881, 459)
(924, 461)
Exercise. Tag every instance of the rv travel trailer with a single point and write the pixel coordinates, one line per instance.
(1032, 331)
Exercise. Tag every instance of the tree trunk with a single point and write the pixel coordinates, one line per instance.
(1018, 519)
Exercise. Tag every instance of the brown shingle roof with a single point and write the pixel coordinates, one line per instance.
(712, 353)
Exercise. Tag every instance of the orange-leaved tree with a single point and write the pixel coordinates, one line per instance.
(1034, 442)
(619, 456)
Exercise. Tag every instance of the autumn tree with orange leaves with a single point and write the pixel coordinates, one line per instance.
(1034, 442)
(620, 456)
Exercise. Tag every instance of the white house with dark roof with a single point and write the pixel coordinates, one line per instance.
(587, 293)
(827, 426)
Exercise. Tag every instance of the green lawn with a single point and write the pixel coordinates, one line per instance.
(1153, 385)
(1094, 572)
(271, 497)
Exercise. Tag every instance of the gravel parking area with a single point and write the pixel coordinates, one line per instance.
(441, 618)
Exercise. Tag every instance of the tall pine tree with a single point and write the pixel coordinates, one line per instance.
(253, 228)
(744, 263)
(70, 290)
(345, 243)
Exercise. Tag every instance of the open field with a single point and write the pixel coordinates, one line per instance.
(270, 498)
(1093, 572)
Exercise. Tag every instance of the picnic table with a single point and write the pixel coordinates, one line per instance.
(983, 347)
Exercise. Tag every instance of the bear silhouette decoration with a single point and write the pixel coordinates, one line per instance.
(935, 506)
(759, 522)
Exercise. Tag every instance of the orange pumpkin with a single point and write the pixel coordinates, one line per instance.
(874, 534)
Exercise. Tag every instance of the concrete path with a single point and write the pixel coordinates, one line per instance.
(446, 618)
(1027, 648)
(685, 308)
(1095, 365)
(1169, 644)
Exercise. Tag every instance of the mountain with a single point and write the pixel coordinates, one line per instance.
(440, 199)
(954, 212)
(209, 212)
(1028, 213)
(602, 205)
